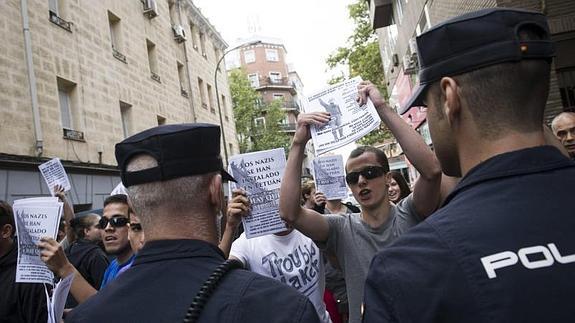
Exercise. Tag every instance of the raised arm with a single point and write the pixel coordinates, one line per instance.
(54, 257)
(307, 221)
(68, 212)
(426, 192)
(238, 207)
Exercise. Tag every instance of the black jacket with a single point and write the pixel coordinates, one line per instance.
(90, 261)
(19, 302)
(165, 277)
(502, 249)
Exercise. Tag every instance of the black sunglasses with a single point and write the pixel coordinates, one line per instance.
(116, 222)
(369, 172)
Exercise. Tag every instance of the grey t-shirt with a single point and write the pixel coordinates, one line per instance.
(355, 243)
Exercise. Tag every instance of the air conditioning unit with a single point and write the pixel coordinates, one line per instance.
(410, 64)
(395, 60)
(413, 46)
(179, 33)
(150, 8)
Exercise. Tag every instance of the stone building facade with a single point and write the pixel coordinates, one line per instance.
(76, 77)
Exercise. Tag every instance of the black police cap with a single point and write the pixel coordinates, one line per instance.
(180, 150)
(476, 40)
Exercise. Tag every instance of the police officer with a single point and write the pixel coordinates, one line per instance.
(173, 175)
(501, 248)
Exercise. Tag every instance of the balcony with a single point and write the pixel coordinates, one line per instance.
(55, 19)
(291, 106)
(278, 83)
(155, 77)
(288, 127)
(119, 56)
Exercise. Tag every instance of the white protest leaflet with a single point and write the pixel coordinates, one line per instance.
(35, 218)
(260, 174)
(54, 174)
(329, 177)
(349, 121)
(57, 302)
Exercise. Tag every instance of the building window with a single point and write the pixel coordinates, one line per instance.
(67, 100)
(126, 117)
(173, 13)
(249, 56)
(152, 60)
(183, 80)
(56, 10)
(203, 44)
(260, 122)
(161, 120)
(211, 99)
(194, 33)
(231, 149)
(275, 77)
(202, 93)
(254, 80)
(225, 107)
(278, 96)
(272, 55)
(566, 80)
(116, 35)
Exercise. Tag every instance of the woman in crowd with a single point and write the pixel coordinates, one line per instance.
(398, 187)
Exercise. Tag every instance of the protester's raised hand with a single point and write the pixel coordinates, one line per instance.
(367, 89)
(59, 192)
(304, 120)
(320, 198)
(238, 207)
(52, 254)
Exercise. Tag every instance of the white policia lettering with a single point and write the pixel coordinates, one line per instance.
(509, 258)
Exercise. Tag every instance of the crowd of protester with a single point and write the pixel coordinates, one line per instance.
(435, 251)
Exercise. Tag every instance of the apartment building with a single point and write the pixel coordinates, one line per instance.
(264, 61)
(398, 22)
(78, 77)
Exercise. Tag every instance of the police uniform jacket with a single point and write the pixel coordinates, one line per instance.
(166, 276)
(502, 249)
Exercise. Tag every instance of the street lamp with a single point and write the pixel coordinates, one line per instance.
(218, 94)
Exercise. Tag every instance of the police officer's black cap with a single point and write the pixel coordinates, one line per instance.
(476, 40)
(180, 150)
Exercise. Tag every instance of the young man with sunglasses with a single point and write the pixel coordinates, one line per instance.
(114, 226)
(355, 239)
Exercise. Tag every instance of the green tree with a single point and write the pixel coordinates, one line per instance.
(248, 106)
(362, 57)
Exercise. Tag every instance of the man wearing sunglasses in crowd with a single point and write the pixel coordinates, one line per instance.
(355, 239)
(114, 226)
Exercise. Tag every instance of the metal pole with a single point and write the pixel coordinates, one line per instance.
(218, 94)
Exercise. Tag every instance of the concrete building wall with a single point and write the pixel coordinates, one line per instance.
(100, 80)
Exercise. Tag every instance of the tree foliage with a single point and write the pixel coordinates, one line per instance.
(248, 105)
(362, 57)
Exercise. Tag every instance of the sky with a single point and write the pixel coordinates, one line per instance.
(310, 29)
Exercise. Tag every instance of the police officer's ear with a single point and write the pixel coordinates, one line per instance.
(215, 191)
(6, 231)
(451, 107)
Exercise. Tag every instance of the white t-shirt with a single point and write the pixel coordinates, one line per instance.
(292, 259)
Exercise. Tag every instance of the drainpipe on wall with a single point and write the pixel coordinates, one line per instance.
(39, 147)
(191, 98)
